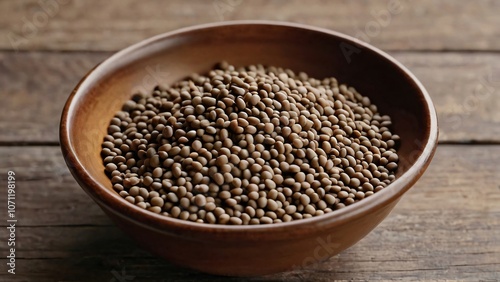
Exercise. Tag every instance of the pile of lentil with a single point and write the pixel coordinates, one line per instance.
(252, 145)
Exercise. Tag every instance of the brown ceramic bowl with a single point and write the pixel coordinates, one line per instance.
(247, 250)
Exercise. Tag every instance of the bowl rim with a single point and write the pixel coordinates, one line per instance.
(112, 202)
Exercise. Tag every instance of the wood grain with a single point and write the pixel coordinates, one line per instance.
(47, 193)
(37, 85)
(112, 25)
(446, 227)
(465, 89)
(463, 86)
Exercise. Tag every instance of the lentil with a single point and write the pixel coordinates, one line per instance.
(254, 145)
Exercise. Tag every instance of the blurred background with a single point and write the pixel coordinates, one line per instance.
(447, 227)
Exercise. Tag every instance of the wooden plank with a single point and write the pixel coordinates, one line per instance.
(46, 193)
(34, 89)
(112, 25)
(395, 250)
(464, 88)
(446, 227)
(449, 246)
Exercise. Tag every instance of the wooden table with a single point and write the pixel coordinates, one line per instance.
(446, 227)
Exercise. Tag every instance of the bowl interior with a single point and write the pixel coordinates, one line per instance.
(168, 58)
